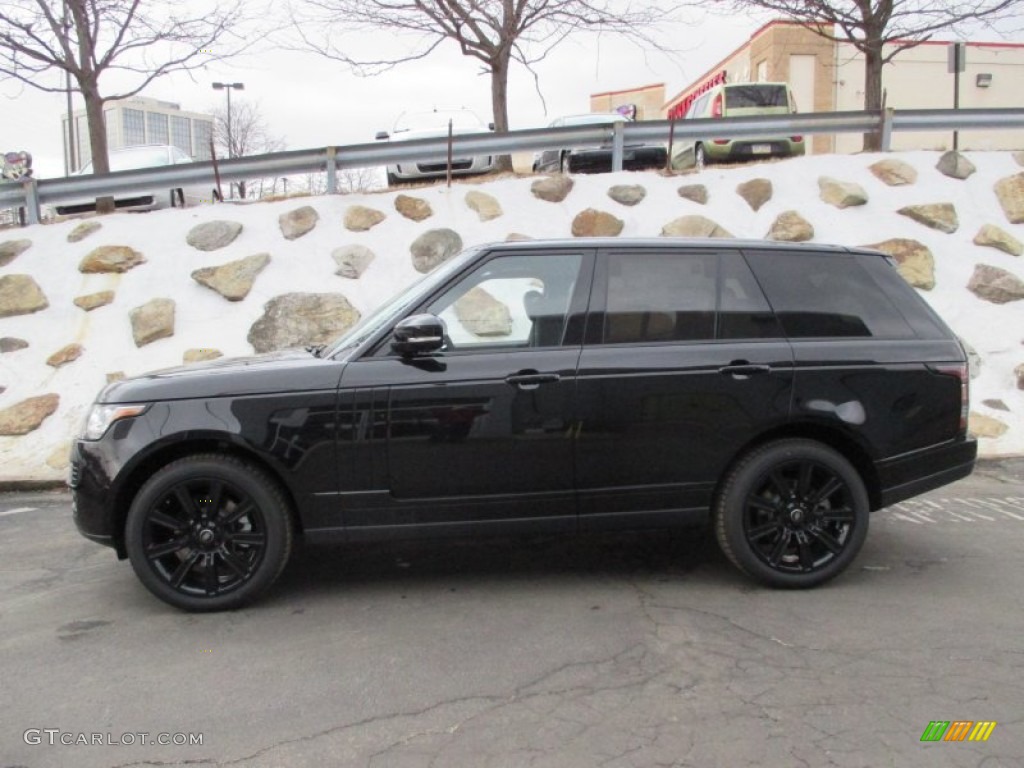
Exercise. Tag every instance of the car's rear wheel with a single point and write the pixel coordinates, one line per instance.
(792, 513)
(700, 158)
(208, 533)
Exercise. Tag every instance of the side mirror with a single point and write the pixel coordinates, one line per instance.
(418, 335)
(382, 136)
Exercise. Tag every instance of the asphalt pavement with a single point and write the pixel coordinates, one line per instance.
(626, 650)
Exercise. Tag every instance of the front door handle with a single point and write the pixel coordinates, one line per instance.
(744, 369)
(531, 379)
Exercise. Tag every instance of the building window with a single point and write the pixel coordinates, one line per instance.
(133, 127)
(203, 132)
(180, 134)
(156, 128)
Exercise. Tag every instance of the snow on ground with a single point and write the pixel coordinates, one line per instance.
(205, 319)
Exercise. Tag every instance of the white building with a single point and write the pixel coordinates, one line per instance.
(140, 120)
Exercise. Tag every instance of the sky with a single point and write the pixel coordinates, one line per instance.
(312, 101)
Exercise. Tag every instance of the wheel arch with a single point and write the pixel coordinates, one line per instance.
(166, 453)
(835, 439)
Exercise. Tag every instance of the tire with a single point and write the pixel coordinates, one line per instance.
(700, 157)
(792, 514)
(214, 556)
(177, 198)
(392, 180)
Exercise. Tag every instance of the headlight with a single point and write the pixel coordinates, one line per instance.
(101, 416)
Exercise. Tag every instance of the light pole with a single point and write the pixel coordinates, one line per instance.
(228, 87)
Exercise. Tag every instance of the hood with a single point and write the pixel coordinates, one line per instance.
(290, 370)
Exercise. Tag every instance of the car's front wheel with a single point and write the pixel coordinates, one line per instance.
(208, 533)
(792, 513)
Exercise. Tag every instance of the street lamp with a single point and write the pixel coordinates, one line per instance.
(228, 87)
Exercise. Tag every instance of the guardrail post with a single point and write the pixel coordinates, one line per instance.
(31, 200)
(618, 144)
(332, 171)
(886, 138)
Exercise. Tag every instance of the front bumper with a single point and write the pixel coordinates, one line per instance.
(461, 166)
(92, 505)
(909, 475)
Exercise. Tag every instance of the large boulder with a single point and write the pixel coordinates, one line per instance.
(940, 216)
(841, 194)
(199, 354)
(213, 235)
(294, 224)
(92, 301)
(414, 208)
(12, 344)
(694, 226)
(1010, 192)
(110, 258)
(434, 247)
(83, 230)
(791, 227)
(352, 260)
(26, 416)
(233, 280)
(60, 457)
(995, 285)
(955, 165)
(359, 218)
(755, 192)
(66, 354)
(595, 223)
(698, 193)
(992, 236)
(298, 319)
(894, 172)
(914, 261)
(981, 425)
(627, 194)
(486, 206)
(20, 295)
(483, 315)
(152, 321)
(553, 189)
(11, 249)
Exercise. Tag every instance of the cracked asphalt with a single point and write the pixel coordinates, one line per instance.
(635, 650)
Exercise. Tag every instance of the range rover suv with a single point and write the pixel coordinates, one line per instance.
(778, 392)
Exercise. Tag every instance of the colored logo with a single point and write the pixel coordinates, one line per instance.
(958, 730)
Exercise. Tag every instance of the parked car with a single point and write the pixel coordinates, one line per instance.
(434, 124)
(636, 156)
(143, 156)
(779, 392)
(739, 100)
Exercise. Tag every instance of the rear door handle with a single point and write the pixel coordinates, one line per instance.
(744, 369)
(532, 380)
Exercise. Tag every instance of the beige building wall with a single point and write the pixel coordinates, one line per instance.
(918, 79)
(648, 100)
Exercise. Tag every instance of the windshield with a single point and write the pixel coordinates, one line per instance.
(437, 119)
(398, 304)
(140, 157)
(745, 96)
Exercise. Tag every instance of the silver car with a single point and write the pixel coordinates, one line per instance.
(431, 125)
(142, 156)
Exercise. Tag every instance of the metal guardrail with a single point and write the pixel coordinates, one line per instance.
(34, 193)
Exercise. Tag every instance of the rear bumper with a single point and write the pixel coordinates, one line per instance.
(746, 149)
(910, 475)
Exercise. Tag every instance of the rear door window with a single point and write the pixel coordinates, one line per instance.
(817, 295)
(755, 95)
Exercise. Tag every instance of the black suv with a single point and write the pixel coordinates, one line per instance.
(781, 392)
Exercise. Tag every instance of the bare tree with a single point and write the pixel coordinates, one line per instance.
(879, 29)
(249, 134)
(495, 32)
(141, 41)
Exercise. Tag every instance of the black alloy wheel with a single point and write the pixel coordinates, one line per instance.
(793, 513)
(208, 533)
